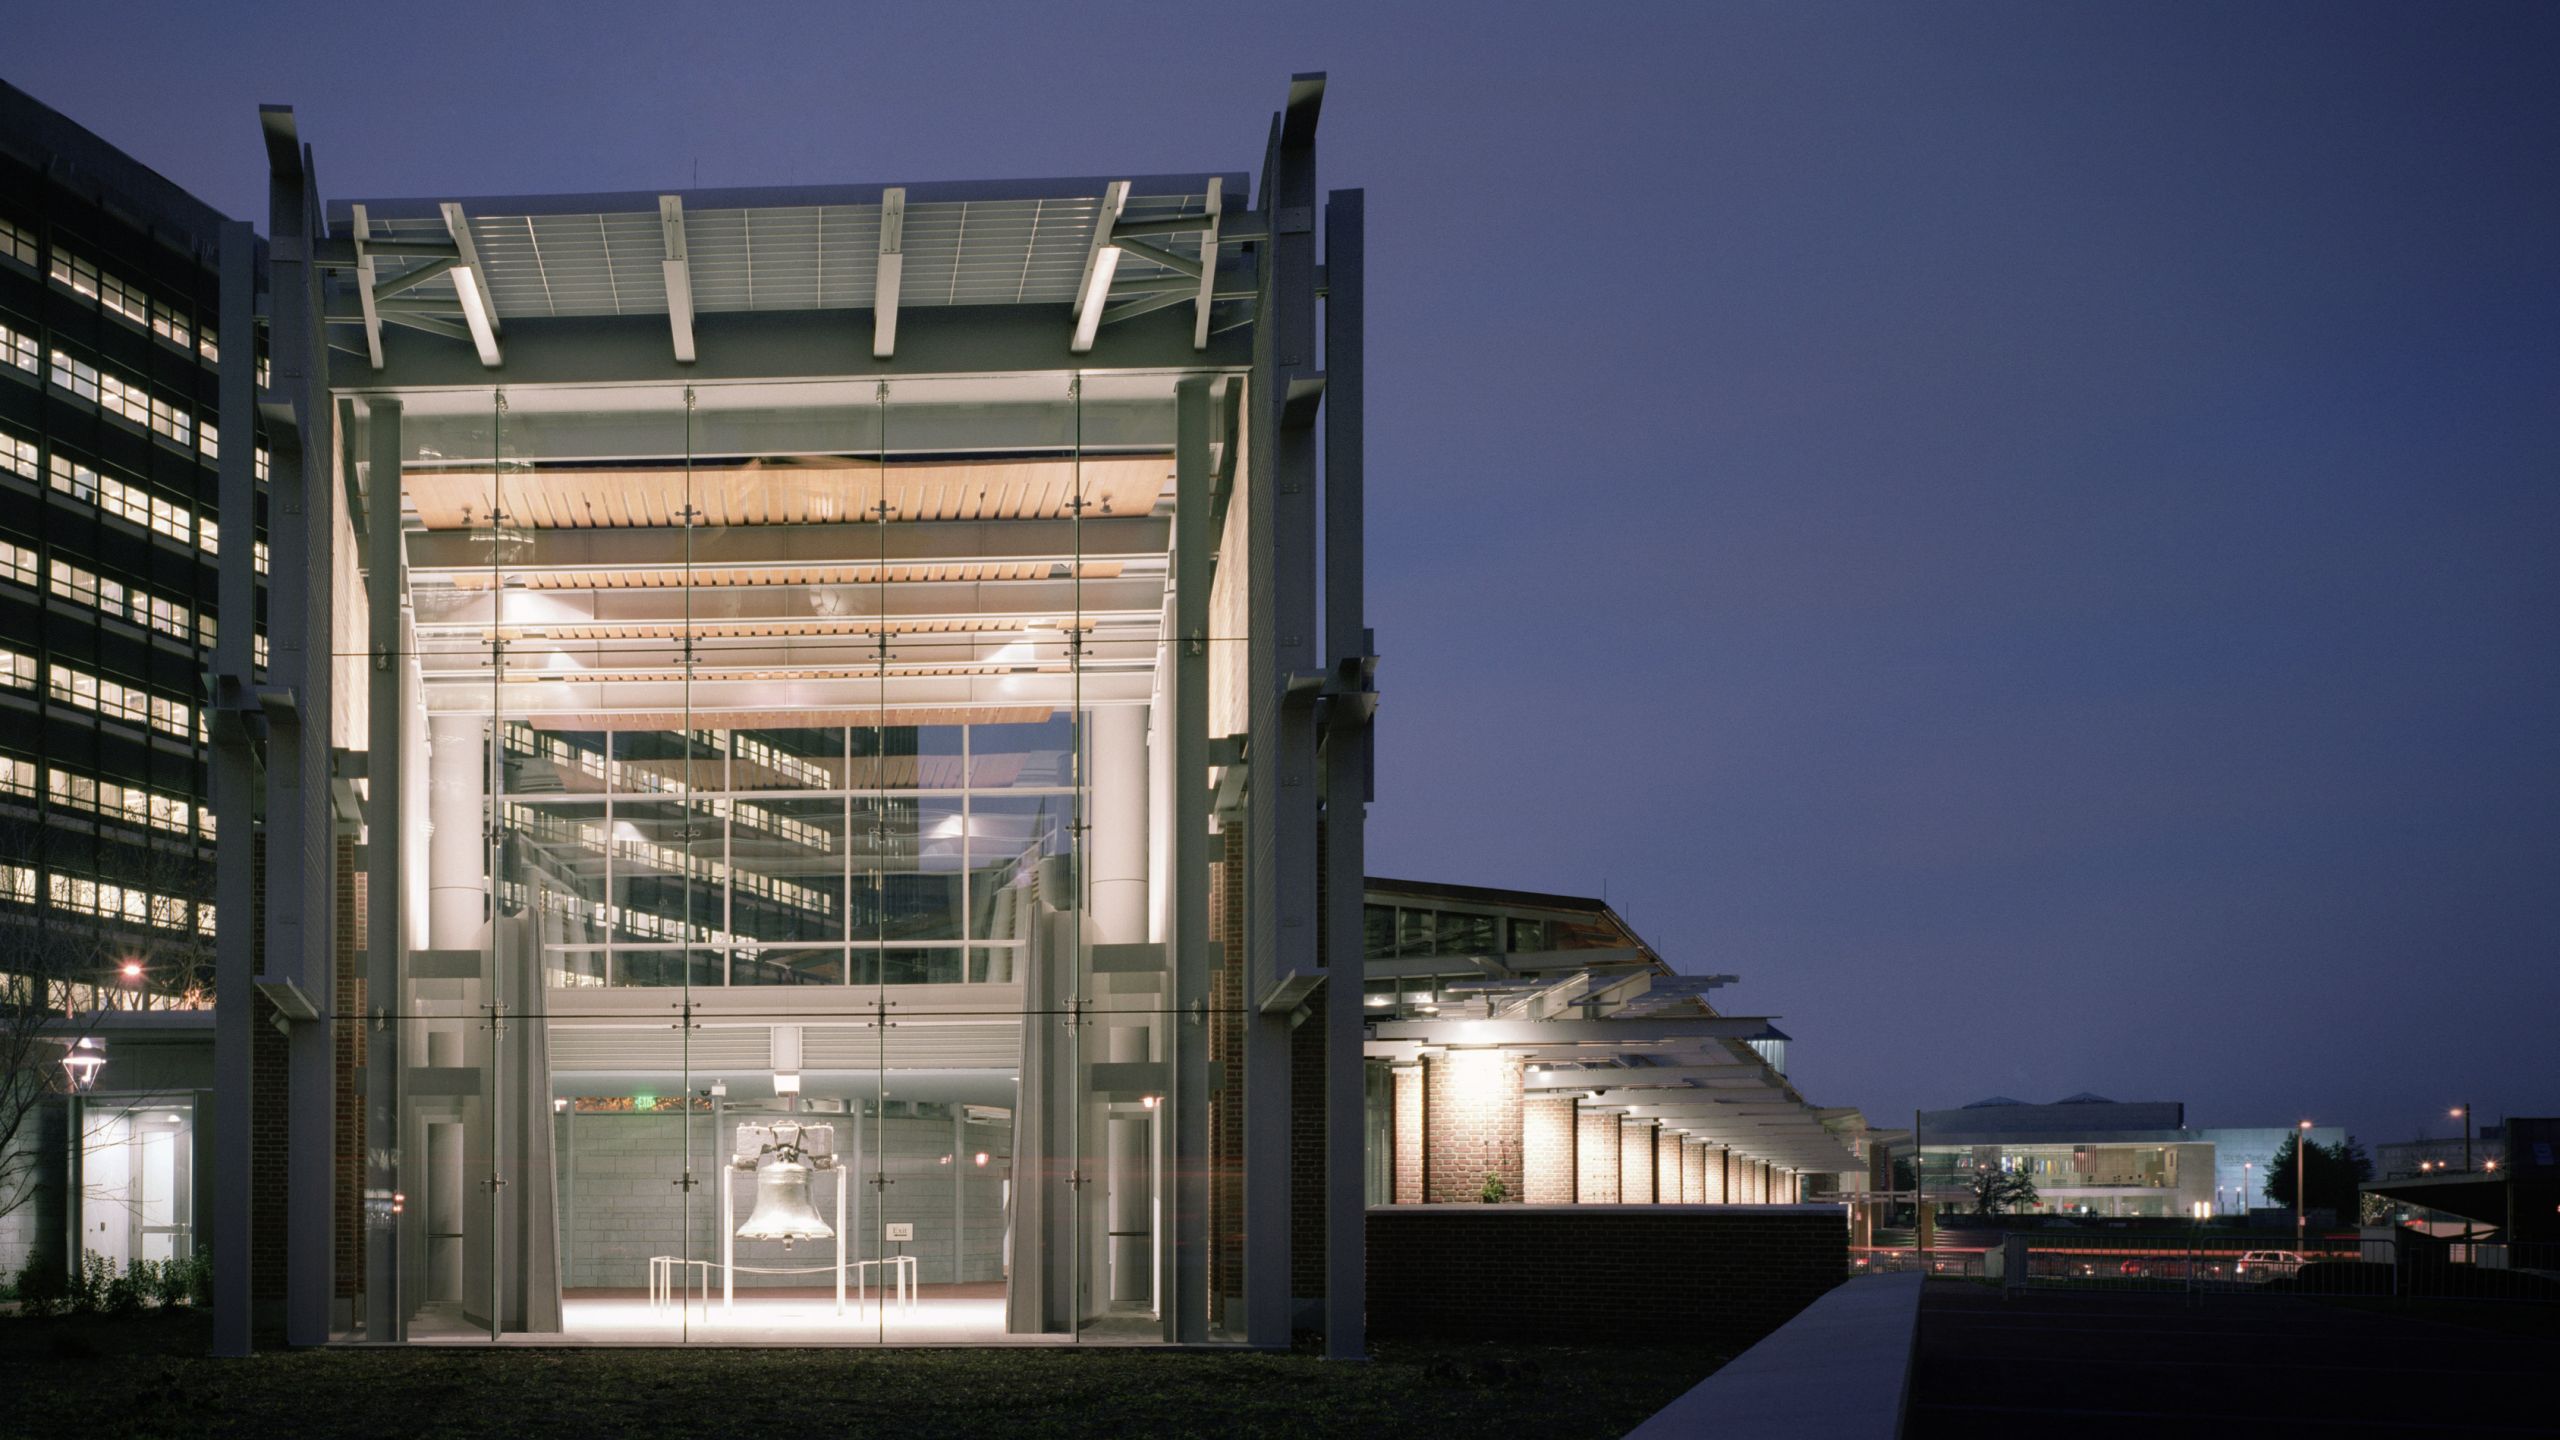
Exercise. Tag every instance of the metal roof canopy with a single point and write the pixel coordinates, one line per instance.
(794, 248)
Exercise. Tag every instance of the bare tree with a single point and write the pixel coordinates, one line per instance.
(62, 967)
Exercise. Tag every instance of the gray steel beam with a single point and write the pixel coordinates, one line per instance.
(679, 276)
(1101, 261)
(891, 272)
(1463, 1034)
(1346, 791)
(1280, 905)
(233, 777)
(366, 295)
(385, 1317)
(435, 553)
(301, 840)
(1208, 264)
(777, 345)
(479, 309)
(1194, 543)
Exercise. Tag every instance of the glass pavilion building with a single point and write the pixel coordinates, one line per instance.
(795, 772)
(794, 753)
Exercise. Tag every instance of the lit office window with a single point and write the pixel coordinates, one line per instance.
(18, 455)
(18, 348)
(18, 243)
(171, 325)
(17, 671)
(18, 563)
(119, 701)
(17, 777)
(74, 274)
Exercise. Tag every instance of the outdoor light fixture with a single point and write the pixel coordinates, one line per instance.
(982, 1158)
(786, 1084)
(132, 970)
(719, 1089)
(1148, 1100)
(81, 1066)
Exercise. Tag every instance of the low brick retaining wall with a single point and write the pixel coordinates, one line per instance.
(1721, 1274)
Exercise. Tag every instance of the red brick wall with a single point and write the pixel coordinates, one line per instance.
(1547, 1160)
(1597, 1174)
(1409, 1146)
(1306, 1154)
(1227, 1007)
(1717, 1276)
(1635, 1160)
(348, 1047)
(1471, 1103)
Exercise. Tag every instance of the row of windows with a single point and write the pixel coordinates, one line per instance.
(669, 859)
(84, 895)
(18, 243)
(127, 501)
(114, 800)
(1389, 931)
(131, 400)
(128, 303)
(110, 698)
(125, 602)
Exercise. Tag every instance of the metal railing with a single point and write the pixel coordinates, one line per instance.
(2388, 1267)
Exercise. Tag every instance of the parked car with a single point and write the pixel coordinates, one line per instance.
(2268, 1264)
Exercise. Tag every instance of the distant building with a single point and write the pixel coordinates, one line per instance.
(2089, 1155)
(2413, 1159)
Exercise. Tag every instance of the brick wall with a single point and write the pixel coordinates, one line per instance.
(347, 1046)
(1598, 1144)
(1471, 1101)
(1306, 1154)
(1228, 1006)
(1712, 1274)
(1635, 1160)
(1547, 1152)
(1668, 1181)
(1693, 1172)
(1408, 1134)
(269, 1064)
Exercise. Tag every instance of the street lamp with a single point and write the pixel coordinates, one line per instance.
(2245, 1192)
(80, 1066)
(2463, 1112)
(2301, 1164)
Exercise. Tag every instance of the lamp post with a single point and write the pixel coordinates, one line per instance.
(2301, 1165)
(2464, 1111)
(2246, 1178)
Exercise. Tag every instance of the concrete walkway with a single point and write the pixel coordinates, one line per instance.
(1840, 1370)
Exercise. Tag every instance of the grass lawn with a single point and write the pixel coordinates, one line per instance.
(148, 1375)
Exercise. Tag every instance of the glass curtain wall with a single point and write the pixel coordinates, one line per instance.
(795, 962)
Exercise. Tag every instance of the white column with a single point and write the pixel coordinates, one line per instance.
(457, 851)
(1118, 854)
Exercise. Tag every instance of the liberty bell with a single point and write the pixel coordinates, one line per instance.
(784, 1156)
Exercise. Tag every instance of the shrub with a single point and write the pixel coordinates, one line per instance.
(199, 1277)
(168, 1282)
(124, 1290)
(1495, 1189)
(41, 1290)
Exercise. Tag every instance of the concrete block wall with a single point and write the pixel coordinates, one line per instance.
(621, 1204)
(1547, 1159)
(1722, 1275)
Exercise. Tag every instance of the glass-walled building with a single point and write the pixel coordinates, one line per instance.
(793, 762)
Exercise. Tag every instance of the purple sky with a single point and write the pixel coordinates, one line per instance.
(2028, 533)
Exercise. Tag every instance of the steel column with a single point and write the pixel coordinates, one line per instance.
(233, 782)
(1346, 790)
(386, 926)
(1186, 1267)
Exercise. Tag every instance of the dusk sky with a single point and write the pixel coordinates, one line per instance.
(2025, 532)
